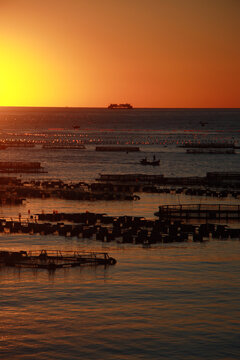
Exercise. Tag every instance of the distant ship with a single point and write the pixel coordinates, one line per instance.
(120, 106)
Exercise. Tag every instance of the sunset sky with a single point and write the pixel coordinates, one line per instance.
(151, 53)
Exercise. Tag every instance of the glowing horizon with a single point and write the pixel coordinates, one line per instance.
(152, 54)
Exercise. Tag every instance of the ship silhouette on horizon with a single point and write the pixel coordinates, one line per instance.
(120, 106)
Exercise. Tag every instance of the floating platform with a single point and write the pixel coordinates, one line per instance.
(223, 178)
(19, 144)
(208, 145)
(10, 181)
(21, 167)
(211, 151)
(211, 179)
(131, 178)
(122, 229)
(8, 199)
(63, 147)
(53, 259)
(78, 191)
(118, 148)
(199, 211)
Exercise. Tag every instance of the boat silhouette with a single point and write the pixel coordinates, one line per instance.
(120, 106)
(147, 162)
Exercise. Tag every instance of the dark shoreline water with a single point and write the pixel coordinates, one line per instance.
(171, 301)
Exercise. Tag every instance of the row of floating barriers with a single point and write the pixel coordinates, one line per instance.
(120, 187)
(122, 229)
(210, 179)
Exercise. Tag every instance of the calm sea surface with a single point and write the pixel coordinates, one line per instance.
(171, 301)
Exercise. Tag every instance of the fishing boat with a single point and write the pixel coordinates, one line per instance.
(147, 162)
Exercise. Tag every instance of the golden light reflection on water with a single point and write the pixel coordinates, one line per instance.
(171, 296)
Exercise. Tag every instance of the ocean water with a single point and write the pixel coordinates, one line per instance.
(170, 301)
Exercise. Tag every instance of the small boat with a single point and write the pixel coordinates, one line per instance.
(147, 162)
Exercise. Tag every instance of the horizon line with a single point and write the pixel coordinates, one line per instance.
(103, 107)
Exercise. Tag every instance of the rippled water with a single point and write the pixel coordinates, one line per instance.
(171, 301)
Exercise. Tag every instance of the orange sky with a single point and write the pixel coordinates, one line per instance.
(151, 53)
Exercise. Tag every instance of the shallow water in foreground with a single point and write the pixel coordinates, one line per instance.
(171, 301)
